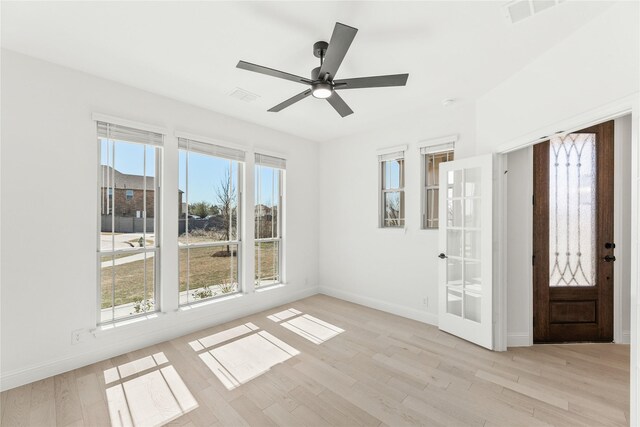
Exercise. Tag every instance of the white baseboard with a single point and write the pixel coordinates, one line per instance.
(518, 339)
(144, 338)
(399, 310)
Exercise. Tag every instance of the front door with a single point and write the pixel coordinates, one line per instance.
(573, 244)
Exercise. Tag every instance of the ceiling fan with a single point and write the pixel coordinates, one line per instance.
(322, 81)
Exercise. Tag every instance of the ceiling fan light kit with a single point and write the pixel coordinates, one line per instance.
(321, 90)
(322, 82)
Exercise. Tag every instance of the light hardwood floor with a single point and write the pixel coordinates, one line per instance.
(382, 370)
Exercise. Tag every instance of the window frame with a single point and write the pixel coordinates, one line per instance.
(426, 148)
(155, 249)
(425, 158)
(239, 226)
(383, 158)
(126, 194)
(279, 228)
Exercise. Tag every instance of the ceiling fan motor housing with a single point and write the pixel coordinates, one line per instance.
(320, 49)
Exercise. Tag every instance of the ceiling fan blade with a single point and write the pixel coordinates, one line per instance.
(271, 72)
(339, 44)
(340, 106)
(290, 101)
(374, 81)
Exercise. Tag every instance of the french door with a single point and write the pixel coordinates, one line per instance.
(573, 244)
(465, 239)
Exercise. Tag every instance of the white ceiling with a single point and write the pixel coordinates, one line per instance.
(188, 51)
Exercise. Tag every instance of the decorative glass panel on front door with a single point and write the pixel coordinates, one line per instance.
(572, 201)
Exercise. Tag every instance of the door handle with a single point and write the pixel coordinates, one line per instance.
(609, 258)
(442, 256)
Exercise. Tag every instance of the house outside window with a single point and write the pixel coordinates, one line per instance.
(432, 155)
(129, 194)
(128, 243)
(391, 190)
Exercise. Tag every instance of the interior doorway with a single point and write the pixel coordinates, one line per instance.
(573, 236)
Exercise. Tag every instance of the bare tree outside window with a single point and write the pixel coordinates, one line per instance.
(208, 236)
(392, 191)
(227, 207)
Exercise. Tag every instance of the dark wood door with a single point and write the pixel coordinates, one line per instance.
(573, 248)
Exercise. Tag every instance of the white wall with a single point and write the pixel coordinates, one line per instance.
(519, 238)
(390, 269)
(49, 179)
(595, 66)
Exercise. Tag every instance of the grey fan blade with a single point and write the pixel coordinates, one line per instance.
(339, 44)
(271, 72)
(340, 106)
(290, 101)
(374, 81)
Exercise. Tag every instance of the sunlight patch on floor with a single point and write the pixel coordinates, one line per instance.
(315, 330)
(135, 367)
(220, 337)
(242, 360)
(152, 399)
(284, 315)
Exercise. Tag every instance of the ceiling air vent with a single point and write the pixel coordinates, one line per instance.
(518, 10)
(243, 95)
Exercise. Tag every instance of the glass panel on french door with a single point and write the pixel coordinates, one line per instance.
(464, 278)
(572, 205)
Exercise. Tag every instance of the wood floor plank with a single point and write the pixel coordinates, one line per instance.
(281, 417)
(68, 407)
(16, 409)
(382, 370)
(250, 412)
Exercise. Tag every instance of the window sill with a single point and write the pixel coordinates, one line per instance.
(402, 230)
(124, 323)
(196, 305)
(269, 287)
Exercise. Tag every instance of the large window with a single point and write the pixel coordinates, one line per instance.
(208, 225)
(128, 226)
(432, 157)
(391, 189)
(269, 180)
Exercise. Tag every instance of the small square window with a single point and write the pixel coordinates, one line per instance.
(129, 194)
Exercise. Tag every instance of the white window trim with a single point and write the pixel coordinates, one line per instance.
(157, 229)
(209, 140)
(389, 150)
(386, 154)
(272, 153)
(428, 147)
(431, 142)
(98, 117)
(239, 242)
(281, 226)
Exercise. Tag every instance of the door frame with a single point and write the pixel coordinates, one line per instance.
(624, 106)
